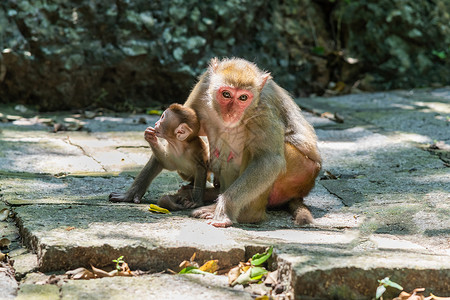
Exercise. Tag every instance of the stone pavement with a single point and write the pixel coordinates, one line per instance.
(381, 206)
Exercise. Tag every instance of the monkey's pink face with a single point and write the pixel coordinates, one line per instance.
(233, 102)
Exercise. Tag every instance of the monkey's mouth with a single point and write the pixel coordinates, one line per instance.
(230, 120)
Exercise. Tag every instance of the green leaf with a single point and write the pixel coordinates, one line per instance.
(318, 50)
(119, 260)
(259, 259)
(257, 272)
(395, 285)
(387, 282)
(380, 290)
(192, 270)
(440, 54)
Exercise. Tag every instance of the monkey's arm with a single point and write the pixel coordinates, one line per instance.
(199, 185)
(140, 184)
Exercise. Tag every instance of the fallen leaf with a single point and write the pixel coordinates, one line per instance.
(80, 273)
(329, 175)
(259, 259)
(433, 297)
(125, 270)
(70, 228)
(154, 112)
(2, 256)
(157, 209)
(244, 278)
(4, 242)
(4, 213)
(272, 278)
(99, 272)
(193, 256)
(189, 263)
(193, 270)
(256, 273)
(89, 114)
(333, 117)
(210, 266)
(233, 274)
(338, 118)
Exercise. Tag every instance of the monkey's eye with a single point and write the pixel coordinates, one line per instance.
(243, 97)
(226, 94)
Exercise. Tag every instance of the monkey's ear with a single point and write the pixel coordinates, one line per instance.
(264, 78)
(214, 63)
(183, 131)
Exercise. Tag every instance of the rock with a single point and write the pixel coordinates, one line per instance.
(123, 55)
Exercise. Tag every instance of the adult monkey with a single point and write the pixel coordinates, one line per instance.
(262, 149)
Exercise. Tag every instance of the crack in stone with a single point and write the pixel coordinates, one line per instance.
(85, 153)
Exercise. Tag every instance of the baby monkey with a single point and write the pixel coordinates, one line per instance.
(185, 152)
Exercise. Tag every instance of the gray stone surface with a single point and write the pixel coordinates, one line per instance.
(385, 213)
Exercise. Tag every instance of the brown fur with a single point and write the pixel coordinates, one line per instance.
(187, 156)
(273, 144)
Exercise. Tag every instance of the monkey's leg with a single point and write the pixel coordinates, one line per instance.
(298, 179)
(300, 212)
(255, 212)
(140, 183)
(294, 184)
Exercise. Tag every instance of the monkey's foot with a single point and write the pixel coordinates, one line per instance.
(221, 224)
(300, 212)
(205, 212)
(119, 197)
(169, 202)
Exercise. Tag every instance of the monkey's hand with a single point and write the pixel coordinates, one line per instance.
(220, 218)
(150, 136)
(120, 197)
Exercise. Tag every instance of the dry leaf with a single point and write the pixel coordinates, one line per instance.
(417, 295)
(4, 242)
(245, 268)
(99, 272)
(80, 273)
(2, 256)
(70, 228)
(190, 263)
(233, 274)
(193, 256)
(338, 118)
(329, 175)
(75, 271)
(4, 213)
(272, 278)
(210, 266)
(125, 270)
(433, 297)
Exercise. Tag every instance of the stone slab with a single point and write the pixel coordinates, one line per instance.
(159, 286)
(386, 214)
